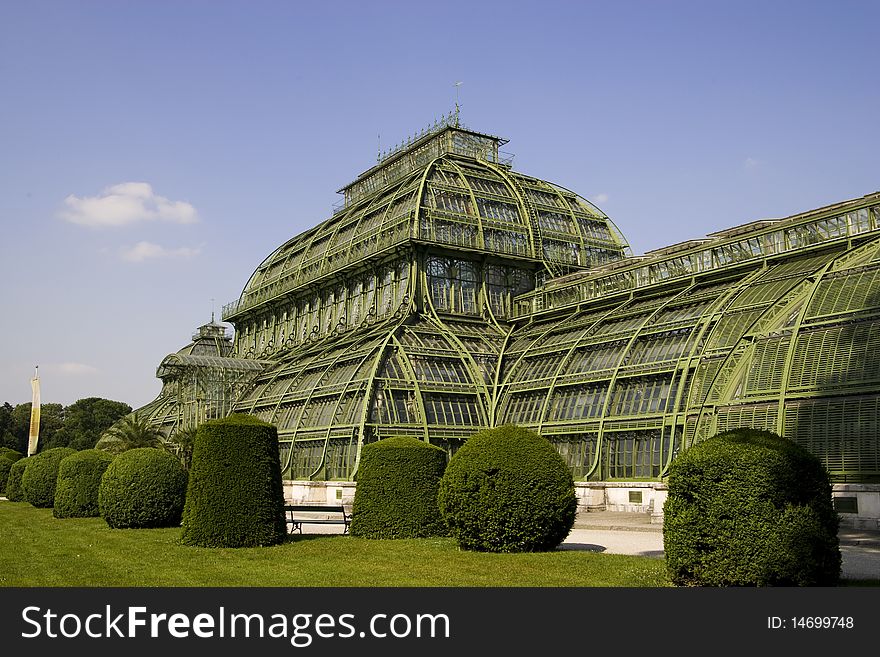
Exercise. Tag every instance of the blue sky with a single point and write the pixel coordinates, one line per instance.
(221, 129)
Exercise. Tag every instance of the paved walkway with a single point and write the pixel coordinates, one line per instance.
(633, 533)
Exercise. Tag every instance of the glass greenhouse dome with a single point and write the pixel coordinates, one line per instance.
(450, 293)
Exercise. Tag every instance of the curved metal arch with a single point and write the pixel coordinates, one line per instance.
(702, 328)
(474, 369)
(481, 239)
(369, 390)
(587, 332)
(852, 253)
(530, 219)
(600, 432)
(615, 232)
(420, 402)
(736, 356)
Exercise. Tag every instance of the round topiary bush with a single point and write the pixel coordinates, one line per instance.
(13, 481)
(79, 475)
(41, 475)
(396, 496)
(142, 487)
(748, 508)
(235, 496)
(10, 454)
(5, 465)
(508, 490)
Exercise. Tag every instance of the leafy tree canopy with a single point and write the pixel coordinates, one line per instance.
(85, 420)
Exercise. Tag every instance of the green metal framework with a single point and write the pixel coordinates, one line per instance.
(450, 293)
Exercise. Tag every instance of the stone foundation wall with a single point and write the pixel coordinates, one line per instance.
(628, 496)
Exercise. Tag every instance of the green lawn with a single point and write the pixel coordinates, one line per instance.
(39, 550)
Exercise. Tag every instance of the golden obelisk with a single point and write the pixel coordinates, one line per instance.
(34, 433)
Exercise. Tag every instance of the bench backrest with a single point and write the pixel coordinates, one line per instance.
(315, 507)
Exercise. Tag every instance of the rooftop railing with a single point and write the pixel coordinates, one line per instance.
(768, 239)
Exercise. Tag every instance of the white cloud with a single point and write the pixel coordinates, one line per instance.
(750, 163)
(600, 198)
(148, 251)
(124, 204)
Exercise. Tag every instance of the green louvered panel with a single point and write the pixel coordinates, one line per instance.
(754, 416)
(835, 356)
(703, 381)
(763, 293)
(800, 266)
(842, 432)
(847, 293)
(730, 328)
(690, 429)
(766, 368)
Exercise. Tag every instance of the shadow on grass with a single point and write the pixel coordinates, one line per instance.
(298, 538)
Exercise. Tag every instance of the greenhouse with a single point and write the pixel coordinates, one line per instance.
(448, 293)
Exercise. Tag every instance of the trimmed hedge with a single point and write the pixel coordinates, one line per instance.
(79, 475)
(11, 454)
(5, 465)
(396, 495)
(41, 476)
(142, 487)
(748, 508)
(235, 497)
(13, 482)
(508, 490)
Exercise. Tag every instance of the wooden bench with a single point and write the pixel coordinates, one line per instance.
(296, 520)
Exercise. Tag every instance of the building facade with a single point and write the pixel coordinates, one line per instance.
(450, 293)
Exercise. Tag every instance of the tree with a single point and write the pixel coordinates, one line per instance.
(7, 438)
(181, 444)
(131, 432)
(51, 420)
(85, 420)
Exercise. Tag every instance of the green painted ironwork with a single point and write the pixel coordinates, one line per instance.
(449, 293)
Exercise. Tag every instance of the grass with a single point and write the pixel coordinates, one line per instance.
(39, 550)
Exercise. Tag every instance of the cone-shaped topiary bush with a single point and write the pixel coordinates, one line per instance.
(142, 487)
(748, 508)
(41, 475)
(235, 496)
(11, 454)
(396, 496)
(508, 490)
(13, 482)
(5, 466)
(79, 475)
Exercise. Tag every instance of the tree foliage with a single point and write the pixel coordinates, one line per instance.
(131, 432)
(85, 420)
(79, 475)
(749, 508)
(235, 496)
(396, 495)
(41, 476)
(507, 489)
(142, 487)
(13, 481)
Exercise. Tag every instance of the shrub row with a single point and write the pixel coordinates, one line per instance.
(508, 490)
(748, 508)
(142, 487)
(396, 495)
(40, 477)
(11, 454)
(79, 476)
(13, 481)
(235, 497)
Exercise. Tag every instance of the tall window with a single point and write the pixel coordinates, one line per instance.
(453, 284)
